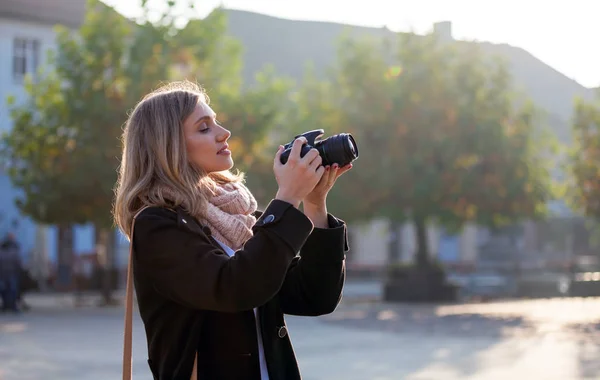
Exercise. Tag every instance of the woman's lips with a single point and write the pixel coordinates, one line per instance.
(224, 150)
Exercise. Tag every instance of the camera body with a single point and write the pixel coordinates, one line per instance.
(338, 149)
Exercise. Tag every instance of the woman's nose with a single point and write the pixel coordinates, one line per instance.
(224, 135)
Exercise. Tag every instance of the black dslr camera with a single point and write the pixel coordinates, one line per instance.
(337, 149)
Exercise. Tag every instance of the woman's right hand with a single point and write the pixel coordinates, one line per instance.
(299, 175)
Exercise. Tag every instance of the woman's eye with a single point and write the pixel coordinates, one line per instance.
(203, 128)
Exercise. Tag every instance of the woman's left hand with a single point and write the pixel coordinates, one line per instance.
(318, 195)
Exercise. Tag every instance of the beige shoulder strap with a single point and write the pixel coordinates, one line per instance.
(128, 333)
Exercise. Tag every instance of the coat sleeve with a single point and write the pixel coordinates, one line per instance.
(185, 267)
(314, 282)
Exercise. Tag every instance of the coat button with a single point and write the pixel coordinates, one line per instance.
(268, 219)
(282, 332)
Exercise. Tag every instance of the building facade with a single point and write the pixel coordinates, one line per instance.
(27, 34)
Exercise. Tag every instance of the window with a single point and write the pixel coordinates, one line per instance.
(26, 54)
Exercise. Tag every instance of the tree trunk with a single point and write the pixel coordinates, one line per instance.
(422, 257)
(39, 264)
(105, 248)
(394, 242)
(65, 257)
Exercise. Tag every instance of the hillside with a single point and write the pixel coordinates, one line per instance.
(289, 44)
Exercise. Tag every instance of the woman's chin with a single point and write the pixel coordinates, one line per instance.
(222, 166)
(226, 165)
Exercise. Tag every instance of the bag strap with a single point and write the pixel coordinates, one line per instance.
(128, 330)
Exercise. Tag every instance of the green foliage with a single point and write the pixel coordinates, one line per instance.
(584, 189)
(441, 134)
(64, 147)
(205, 54)
(91, 67)
(37, 152)
(440, 121)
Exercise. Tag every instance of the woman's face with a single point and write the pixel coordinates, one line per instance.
(206, 141)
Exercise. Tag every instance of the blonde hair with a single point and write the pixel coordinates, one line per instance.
(154, 169)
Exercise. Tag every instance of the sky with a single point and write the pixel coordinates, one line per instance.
(564, 34)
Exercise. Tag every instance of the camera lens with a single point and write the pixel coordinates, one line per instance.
(338, 149)
(352, 146)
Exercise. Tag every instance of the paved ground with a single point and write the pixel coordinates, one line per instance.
(549, 339)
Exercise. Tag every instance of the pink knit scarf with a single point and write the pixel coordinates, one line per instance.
(229, 215)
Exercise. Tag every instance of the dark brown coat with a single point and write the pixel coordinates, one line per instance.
(194, 298)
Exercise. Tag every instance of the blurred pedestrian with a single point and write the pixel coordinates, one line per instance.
(10, 272)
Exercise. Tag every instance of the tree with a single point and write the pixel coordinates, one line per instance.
(441, 136)
(77, 108)
(585, 158)
(204, 53)
(37, 154)
(65, 143)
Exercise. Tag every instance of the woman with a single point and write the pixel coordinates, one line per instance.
(214, 276)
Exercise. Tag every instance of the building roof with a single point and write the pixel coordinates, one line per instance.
(50, 12)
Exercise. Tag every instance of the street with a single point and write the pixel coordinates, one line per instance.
(544, 339)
